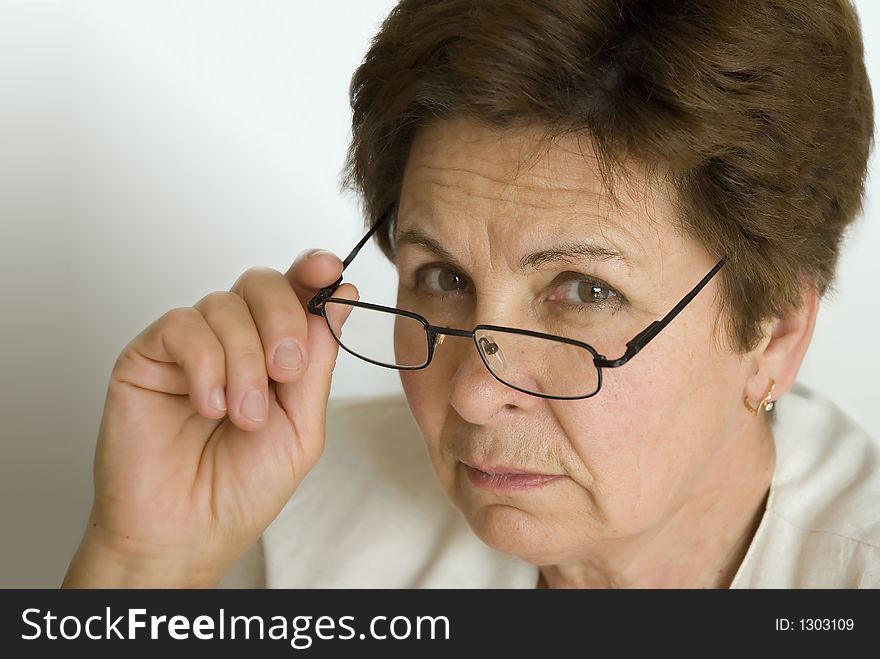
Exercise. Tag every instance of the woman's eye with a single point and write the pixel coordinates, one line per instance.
(576, 293)
(441, 280)
(585, 292)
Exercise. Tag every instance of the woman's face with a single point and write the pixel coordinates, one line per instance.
(624, 460)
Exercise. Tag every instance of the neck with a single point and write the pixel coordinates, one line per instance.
(703, 543)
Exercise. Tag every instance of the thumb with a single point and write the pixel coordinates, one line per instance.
(305, 400)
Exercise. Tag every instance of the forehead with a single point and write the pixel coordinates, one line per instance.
(461, 170)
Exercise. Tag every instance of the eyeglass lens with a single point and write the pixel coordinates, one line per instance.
(534, 364)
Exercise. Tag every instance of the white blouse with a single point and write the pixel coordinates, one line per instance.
(372, 514)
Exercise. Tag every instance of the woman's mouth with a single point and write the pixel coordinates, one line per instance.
(506, 479)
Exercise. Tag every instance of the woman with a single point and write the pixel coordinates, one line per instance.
(613, 223)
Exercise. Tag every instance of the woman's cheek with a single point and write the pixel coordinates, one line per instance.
(632, 452)
(427, 407)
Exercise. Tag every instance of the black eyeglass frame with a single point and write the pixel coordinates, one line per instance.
(317, 307)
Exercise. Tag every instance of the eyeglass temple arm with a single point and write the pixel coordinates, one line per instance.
(644, 337)
(314, 304)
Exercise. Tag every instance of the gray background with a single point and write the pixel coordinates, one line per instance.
(152, 151)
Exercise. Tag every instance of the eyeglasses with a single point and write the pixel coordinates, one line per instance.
(535, 363)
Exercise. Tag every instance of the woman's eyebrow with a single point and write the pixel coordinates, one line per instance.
(570, 252)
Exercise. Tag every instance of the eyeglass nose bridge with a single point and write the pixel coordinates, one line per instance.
(488, 348)
(493, 356)
(439, 334)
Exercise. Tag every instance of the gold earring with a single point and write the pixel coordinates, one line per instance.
(766, 404)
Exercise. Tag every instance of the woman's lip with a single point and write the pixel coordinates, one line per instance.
(508, 481)
(500, 470)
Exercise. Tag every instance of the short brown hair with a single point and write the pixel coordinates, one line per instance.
(758, 111)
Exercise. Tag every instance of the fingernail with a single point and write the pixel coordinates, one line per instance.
(254, 405)
(318, 252)
(288, 356)
(218, 399)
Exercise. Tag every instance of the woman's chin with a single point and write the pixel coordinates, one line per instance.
(513, 531)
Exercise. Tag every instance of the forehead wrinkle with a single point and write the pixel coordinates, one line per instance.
(460, 170)
(571, 246)
(569, 208)
(516, 183)
(569, 215)
(580, 201)
(568, 211)
(567, 252)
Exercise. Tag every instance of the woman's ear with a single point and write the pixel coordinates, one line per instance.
(780, 353)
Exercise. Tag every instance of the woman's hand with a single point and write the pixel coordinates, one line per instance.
(209, 425)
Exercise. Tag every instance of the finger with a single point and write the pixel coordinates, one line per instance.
(178, 354)
(280, 320)
(311, 271)
(337, 314)
(305, 399)
(247, 385)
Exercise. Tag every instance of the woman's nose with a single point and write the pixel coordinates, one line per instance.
(474, 392)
